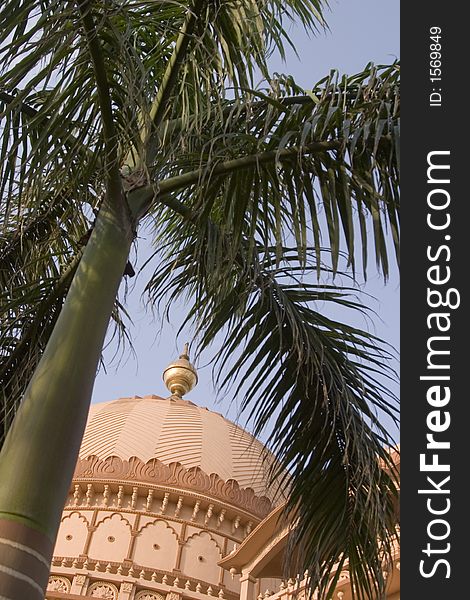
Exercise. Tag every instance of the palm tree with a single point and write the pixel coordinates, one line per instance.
(117, 112)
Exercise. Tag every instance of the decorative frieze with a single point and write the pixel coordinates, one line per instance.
(109, 591)
(175, 474)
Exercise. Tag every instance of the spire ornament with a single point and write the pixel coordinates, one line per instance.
(180, 377)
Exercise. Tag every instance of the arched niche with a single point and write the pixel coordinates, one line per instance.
(156, 546)
(200, 556)
(110, 541)
(72, 535)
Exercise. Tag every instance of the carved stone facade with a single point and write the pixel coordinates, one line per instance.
(163, 551)
(140, 528)
(148, 595)
(59, 584)
(174, 475)
(135, 529)
(103, 589)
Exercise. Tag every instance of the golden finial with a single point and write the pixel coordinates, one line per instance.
(180, 376)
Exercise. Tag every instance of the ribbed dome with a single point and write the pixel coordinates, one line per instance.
(174, 430)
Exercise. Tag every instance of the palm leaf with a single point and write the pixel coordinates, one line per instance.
(259, 196)
(39, 252)
(227, 258)
(292, 163)
(314, 382)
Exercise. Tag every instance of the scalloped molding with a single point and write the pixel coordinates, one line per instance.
(174, 474)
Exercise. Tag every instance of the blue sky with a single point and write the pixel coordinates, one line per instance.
(360, 31)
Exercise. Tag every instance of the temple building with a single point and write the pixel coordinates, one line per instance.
(170, 501)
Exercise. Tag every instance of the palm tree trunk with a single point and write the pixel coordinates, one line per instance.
(52, 416)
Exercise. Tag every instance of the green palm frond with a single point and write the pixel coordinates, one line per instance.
(261, 197)
(40, 247)
(39, 251)
(226, 254)
(49, 101)
(52, 167)
(320, 386)
(232, 41)
(280, 165)
(316, 379)
(28, 317)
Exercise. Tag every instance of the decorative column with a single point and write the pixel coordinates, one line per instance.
(179, 552)
(247, 587)
(91, 529)
(224, 553)
(134, 534)
(181, 544)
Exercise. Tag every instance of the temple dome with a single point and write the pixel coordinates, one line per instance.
(174, 430)
(162, 491)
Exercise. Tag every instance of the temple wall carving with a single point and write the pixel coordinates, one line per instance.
(167, 539)
(174, 475)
